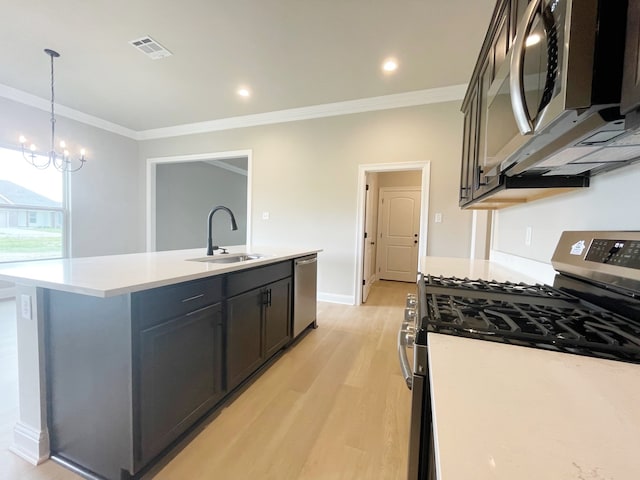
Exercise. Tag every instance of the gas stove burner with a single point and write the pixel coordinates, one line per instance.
(564, 327)
(491, 286)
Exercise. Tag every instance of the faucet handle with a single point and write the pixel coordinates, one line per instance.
(224, 250)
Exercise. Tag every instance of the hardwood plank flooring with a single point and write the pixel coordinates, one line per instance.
(333, 406)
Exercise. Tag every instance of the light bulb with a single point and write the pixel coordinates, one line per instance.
(82, 152)
(22, 139)
(32, 147)
(62, 144)
(390, 65)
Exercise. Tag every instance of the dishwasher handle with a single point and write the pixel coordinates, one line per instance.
(403, 337)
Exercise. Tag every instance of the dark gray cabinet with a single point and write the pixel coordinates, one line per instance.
(127, 375)
(277, 317)
(244, 336)
(258, 322)
(180, 375)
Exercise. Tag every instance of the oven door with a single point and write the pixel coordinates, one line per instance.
(421, 461)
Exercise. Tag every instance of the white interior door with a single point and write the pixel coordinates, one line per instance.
(369, 237)
(399, 229)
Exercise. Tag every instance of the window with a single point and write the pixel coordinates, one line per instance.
(33, 210)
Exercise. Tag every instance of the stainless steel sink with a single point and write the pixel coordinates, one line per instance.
(228, 258)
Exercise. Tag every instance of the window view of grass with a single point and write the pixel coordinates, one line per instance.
(30, 243)
(31, 210)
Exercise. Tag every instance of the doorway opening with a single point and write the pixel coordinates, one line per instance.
(181, 221)
(405, 248)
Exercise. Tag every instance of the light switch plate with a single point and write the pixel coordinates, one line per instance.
(265, 215)
(25, 306)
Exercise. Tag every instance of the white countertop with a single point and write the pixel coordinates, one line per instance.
(504, 412)
(119, 274)
(473, 269)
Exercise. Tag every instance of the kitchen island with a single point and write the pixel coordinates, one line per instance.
(505, 411)
(138, 348)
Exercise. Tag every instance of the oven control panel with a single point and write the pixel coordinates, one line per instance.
(621, 253)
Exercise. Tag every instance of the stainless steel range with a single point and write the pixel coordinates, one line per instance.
(592, 309)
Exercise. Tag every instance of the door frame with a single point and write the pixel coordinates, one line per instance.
(152, 163)
(425, 168)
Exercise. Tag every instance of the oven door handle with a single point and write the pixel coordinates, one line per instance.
(404, 336)
(516, 74)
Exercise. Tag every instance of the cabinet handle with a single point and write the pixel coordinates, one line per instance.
(265, 297)
(199, 310)
(269, 297)
(195, 297)
(479, 173)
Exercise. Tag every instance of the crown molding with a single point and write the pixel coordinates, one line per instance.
(42, 104)
(385, 102)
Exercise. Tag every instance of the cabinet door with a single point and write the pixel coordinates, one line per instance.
(180, 376)
(277, 318)
(244, 335)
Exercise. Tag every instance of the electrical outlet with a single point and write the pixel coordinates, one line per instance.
(438, 218)
(25, 306)
(527, 237)
(265, 215)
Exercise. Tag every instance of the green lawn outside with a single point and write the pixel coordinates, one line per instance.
(30, 244)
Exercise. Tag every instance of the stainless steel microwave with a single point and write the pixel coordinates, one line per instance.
(554, 102)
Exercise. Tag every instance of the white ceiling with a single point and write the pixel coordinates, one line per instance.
(291, 53)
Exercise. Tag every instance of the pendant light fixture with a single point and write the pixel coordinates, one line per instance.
(61, 160)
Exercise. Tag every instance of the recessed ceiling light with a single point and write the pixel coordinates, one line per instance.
(244, 92)
(390, 65)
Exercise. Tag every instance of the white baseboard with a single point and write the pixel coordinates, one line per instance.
(30, 444)
(539, 271)
(335, 298)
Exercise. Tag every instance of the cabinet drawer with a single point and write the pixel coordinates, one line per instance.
(256, 277)
(160, 304)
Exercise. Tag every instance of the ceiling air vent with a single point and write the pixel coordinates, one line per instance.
(150, 47)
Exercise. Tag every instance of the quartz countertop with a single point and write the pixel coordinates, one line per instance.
(473, 269)
(504, 412)
(112, 275)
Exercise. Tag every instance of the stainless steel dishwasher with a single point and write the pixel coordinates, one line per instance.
(305, 284)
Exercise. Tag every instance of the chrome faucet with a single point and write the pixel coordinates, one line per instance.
(234, 226)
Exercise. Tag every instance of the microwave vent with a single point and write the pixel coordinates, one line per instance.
(566, 156)
(602, 137)
(631, 139)
(572, 169)
(612, 154)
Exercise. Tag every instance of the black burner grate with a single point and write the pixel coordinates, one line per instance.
(564, 326)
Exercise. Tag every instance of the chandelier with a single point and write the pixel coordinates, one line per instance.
(61, 160)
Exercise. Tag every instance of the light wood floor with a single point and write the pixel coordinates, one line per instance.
(333, 406)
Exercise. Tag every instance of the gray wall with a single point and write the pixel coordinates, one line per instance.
(185, 193)
(610, 203)
(305, 176)
(107, 195)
